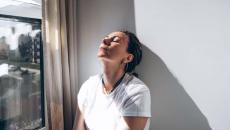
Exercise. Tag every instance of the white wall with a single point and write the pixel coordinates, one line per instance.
(97, 18)
(193, 39)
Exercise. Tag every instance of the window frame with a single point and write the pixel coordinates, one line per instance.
(43, 95)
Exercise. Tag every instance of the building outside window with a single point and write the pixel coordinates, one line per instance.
(21, 69)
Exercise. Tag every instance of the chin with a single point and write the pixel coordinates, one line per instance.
(104, 59)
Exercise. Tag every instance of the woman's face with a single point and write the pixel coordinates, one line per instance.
(114, 48)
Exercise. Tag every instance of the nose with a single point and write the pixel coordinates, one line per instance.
(106, 41)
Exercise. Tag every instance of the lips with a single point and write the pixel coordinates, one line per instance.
(104, 48)
(103, 51)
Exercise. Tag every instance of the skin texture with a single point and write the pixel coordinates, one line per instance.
(114, 56)
(80, 121)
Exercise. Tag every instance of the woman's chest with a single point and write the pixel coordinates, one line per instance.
(103, 113)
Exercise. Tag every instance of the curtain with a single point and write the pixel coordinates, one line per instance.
(60, 61)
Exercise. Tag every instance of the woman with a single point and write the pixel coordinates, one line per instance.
(116, 99)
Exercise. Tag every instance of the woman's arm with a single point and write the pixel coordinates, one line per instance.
(134, 123)
(80, 121)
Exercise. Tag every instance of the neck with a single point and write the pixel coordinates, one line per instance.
(111, 75)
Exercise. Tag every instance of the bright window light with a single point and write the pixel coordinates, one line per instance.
(3, 69)
(4, 3)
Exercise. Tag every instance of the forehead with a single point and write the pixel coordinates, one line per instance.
(121, 35)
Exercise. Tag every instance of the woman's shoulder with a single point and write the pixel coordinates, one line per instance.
(133, 83)
(90, 85)
(92, 80)
(95, 77)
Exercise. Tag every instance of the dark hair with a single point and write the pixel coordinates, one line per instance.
(135, 48)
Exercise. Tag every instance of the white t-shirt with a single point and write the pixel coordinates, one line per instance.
(104, 112)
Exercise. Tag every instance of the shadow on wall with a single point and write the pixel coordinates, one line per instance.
(172, 108)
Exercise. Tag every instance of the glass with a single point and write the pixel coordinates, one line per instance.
(21, 74)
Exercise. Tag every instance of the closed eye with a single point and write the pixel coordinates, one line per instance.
(116, 39)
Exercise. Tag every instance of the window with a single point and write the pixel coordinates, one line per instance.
(21, 74)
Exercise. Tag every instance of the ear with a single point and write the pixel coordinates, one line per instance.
(129, 58)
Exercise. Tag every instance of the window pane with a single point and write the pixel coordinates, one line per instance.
(21, 83)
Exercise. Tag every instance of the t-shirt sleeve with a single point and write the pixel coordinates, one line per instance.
(139, 104)
(82, 97)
